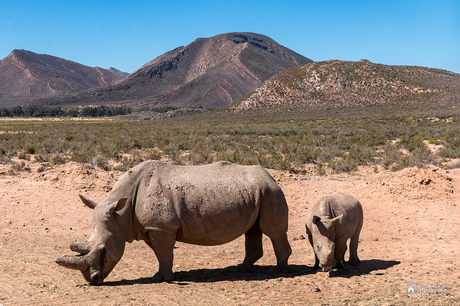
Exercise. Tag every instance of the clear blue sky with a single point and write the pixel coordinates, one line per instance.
(128, 34)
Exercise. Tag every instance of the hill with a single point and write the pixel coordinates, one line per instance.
(26, 75)
(209, 72)
(341, 84)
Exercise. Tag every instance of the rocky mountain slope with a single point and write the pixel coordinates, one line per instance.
(27, 75)
(209, 72)
(341, 84)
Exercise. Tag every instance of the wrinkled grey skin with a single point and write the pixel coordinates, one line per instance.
(205, 205)
(330, 223)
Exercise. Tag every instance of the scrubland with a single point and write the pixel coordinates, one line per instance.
(297, 141)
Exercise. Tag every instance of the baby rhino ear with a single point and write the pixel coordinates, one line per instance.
(316, 219)
(115, 206)
(337, 219)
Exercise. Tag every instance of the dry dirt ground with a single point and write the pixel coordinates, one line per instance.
(410, 234)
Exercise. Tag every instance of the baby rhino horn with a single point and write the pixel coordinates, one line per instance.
(73, 262)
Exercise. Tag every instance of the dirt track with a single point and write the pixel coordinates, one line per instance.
(411, 231)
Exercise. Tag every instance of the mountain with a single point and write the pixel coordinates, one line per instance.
(27, 75)
(117, 72)
(342, 84)
(209, 72)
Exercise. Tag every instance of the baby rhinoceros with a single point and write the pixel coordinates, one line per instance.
(205, 205)
(330, 223)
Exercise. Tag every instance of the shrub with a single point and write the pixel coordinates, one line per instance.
(18, 166)
(320, 170)
(346, 165)
(59, 160)
(41, 158)
(81, 156)
(416, 142)
(23, 156)
(390, 154)
(454, 165)
(120, 168)
(30, 150)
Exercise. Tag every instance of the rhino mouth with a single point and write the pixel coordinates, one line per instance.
(96, 277)
(326, 269)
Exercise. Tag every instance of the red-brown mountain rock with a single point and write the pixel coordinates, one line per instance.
(27, 75)
(209, 72)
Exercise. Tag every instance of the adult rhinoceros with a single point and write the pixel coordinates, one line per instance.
(205, 205)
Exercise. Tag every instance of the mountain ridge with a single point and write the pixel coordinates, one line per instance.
(30, 75)
(345, 84)
(209, 72)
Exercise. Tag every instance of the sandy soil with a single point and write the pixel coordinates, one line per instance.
(411, 231)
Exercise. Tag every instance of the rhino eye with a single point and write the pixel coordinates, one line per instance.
(318, 247)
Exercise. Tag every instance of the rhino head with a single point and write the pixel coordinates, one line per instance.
(105, 247)
(323, 236)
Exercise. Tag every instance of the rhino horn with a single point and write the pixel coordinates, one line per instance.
(73, 262)
(90, 203)
(79, 262)
(81, 247)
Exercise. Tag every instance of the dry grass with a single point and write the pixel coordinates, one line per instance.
(274, 140)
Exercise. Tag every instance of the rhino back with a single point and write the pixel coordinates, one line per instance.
(207, 205)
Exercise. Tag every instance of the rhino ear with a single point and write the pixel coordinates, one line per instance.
(90, 203)
(116, 206)
(337, 219)
(316, 219)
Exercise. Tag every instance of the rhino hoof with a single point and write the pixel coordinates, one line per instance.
(160, 277)
(354, 262)
(243, 268)
(280, 270)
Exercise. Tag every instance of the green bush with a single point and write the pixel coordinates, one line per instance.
(433, 141)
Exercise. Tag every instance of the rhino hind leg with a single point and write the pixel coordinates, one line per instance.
(282, 251)
(162, 244)
(253, 247)
(354, 260)
(273, 221)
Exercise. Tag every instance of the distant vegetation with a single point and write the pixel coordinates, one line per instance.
(57, 111)
(158, 109)
(288, 141)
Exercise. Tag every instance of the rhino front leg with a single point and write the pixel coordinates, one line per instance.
(339, 252)
(310, 239)
(162, 244)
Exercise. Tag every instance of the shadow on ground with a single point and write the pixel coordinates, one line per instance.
(365, 267)
(260, 273)
(219, 275)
